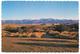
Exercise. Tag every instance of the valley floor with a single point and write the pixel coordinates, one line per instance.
(17, 44)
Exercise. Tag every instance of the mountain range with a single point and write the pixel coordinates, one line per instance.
(40, 21)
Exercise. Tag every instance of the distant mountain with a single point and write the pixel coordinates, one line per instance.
(41, 21)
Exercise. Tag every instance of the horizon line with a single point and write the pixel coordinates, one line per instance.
(39, 19)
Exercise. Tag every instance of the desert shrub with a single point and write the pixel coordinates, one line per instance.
(60, 28)
(8, 34)
(33, 36)
(24, 28)
(76, 36)
(38, 34)
(70, 35)
(11, 29)
(62, 35)
(53, 34)
(74, 27)
(4, 33)
(63, 27)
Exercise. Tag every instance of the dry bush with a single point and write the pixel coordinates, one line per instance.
(39, 34)
(4, 33)
(29, 34)
(69, 34)
(53, 32)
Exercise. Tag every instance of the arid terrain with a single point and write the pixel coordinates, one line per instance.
(39, 38)
(40, 26)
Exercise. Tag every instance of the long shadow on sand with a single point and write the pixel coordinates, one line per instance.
(48, 44)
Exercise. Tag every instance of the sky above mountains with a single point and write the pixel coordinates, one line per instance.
(12, 10)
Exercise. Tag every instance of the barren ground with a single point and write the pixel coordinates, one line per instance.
(17, 44)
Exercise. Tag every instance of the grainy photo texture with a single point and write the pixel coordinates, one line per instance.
(40, 26)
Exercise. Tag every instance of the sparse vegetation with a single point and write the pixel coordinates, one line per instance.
(44, 37)
(38, 31)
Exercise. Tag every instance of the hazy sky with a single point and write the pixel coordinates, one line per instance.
(38, 10)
